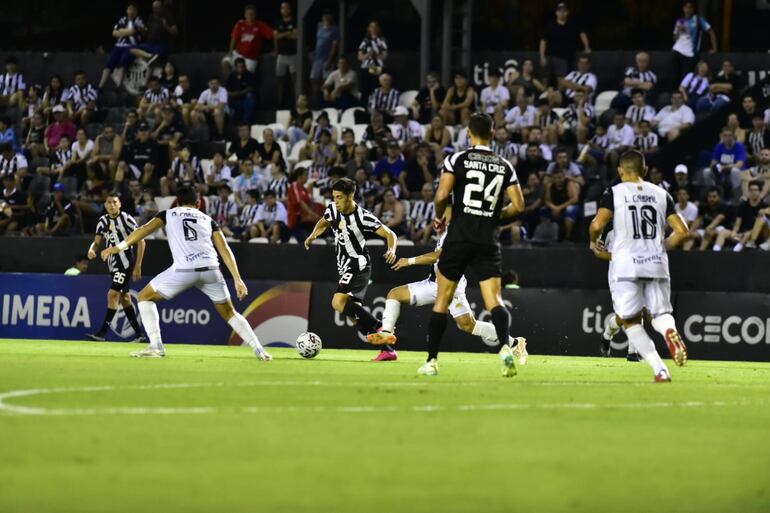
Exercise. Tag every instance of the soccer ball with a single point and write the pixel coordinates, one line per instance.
(308, 345)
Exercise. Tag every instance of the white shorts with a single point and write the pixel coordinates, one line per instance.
(630, 296)
(172, 282)
(424, 293)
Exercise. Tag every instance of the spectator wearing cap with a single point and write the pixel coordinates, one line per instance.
(495, 97)
(80, 99)
(12, 85)
(393, 162)
(140, 160)
(519, 119)
(418, 170)
(427, 103)
(272, 219)
(639, 111)
(688, 39)
(153, 98)
(213, 106)
(727, 162)
(285, 45)
(682, 181)
(460, 101)
(639, 77)
(347, 148)
(758, 173)
(61, 126)
(646, 140)
(561, 41)
(438, 138)
(372, 54)
(621, 138)
(673, 119)
(406, 131)
(247, 37)
(327, 43)
(695, 84)
(725, 87)
(340, 89)
(240, 92)
(580, 79)
(384, 99)
(128, 32)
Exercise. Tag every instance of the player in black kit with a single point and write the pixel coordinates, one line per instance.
(477, 179)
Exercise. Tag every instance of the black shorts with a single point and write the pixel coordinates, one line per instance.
(354, 284)
(485, 260)
(121, 279)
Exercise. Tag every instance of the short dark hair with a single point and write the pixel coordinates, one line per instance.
(187, 195)
(239, 60)
(6, 146)
(481, 125)
(644, 122)
(636, 90)
(12, 60)
(460, 73)
(250, 7)
(79, 72)
(494, 72)
(510, 277)
(224, 187)
(756, 183)
(633, 160)
(269, 192)
(153, 78)
(114, 194)
(716, 189)
(345, 186)
(296, 173)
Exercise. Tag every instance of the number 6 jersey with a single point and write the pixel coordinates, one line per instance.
(481, 179)
(640, 212)
(189, 234)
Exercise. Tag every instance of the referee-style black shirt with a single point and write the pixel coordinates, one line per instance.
(286, 46)
(481, 180)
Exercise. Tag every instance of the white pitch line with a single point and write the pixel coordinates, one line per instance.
(12, 409)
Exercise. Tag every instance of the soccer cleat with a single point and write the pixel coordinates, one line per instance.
(264, 356)
(95, 337)
(386, 356)
(663, 377)
(633, 357)
(676, 347)
(604, 349)
(141, 339)
(509, 361)
(520, 350)
(765, 246)
(429, 368)
(381, 338)
(149, 352)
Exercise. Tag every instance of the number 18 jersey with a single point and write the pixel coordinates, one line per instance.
(189, 234)
(481, 179)
(640, 212)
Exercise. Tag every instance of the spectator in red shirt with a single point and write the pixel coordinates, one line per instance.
(302, 213)
(247, 37)
(60, 126)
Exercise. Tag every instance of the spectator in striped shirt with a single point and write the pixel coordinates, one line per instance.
(128, 32)
(688, 38)
(61, 164)
(578, 118)
(639, 77)
(421, 216)
(153, 99)
(646, 140)
(81, 99)
(247, 227)
(639, 111)
(12, 84)
(548, 121)
(225, 210)
(758, 138)
(372, 53)
(272, 219)
(14, 164)
(760, 173)
(384, 99)
(495, 97)
(580, 79)
(695, 84)
(503, 146)
(279, 183)
(725, 87)
(184, 170)
(406, 131)
(520, 118)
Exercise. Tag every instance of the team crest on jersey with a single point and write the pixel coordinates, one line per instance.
(343, 225)
(112, 226)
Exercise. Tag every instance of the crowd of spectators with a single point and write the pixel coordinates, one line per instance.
(59, 158)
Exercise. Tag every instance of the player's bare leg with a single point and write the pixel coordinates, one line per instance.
(241, 326)
(444, 295)
(148, 309)
(113, 301)
(645, 347)
(493, 300)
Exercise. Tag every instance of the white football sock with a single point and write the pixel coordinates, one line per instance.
(717, 247)
(738, 247)
(241, 326)
(611, 329)
(390, 315)
(487, 332)
(151, 322)
(644, 346)
(663, 323)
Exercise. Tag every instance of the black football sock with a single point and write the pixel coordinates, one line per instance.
(107, 320)
(502, 320)
(131, 316)
(365, 320)
(436, 330)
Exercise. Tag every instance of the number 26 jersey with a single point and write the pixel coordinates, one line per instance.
(640, 212)
(481, 180)
(189, 234)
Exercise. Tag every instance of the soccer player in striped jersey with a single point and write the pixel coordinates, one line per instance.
(351, 225)
(113, 228)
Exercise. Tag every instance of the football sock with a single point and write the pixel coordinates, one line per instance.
(149, 312)
(611, 329)
(365, 320)
(502, 321)
(241, 326)
(644, 346)
(131, 316)
(717, 247)
(107, 320)
(390, 315)
(738, 247)
(487, 332)
(663, 323)
(436, 329)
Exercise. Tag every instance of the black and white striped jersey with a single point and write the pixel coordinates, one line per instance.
(758, 141)
(124, 23)
(647, 142)
(115, 230)
(635, 114)
(10, 84)
(280, 186)
(507, 150)
(350, 233)
(585, 79)
(156, 96)
(60, 159)
(422, 213)
(373, 48)
(381, 101)
(695, 84)
(544, 121)
(13, 164)
(181, 170)
(222, 210)
(80, 96)
(248, 215)
(570, 116)
(643, 76)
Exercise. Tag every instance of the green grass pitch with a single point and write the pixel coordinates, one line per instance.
(84, 428)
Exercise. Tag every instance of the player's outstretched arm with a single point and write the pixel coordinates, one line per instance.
(320, 227)
(388, 234)
(517, 201)
(135, 236)
(424, 259)
(223, 248)
(680, 231)
(93, 249)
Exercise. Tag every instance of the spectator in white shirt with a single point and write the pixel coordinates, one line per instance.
(675, 118)
(495, 97)
(621, 138)
(271, 219)
(536, 137)
(521, 118)
(580, 79)
(684, 207)
(212, 104)
(218, 172)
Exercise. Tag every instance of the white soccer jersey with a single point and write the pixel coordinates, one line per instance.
(189, 236)
(640, 210)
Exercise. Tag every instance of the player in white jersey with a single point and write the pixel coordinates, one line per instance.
(424, 292)
(640, 278)
(194, 239)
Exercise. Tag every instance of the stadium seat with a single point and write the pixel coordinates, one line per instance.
(407, 97)
(259, 240)
(164, 202)
(282, 117)
(603, 101)
(295, 151)
(404, 242)
(348, 117)
(375, 242)
(205, 165)
(284, 147)
(256, 132)
(334, 115)
(358, 132)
